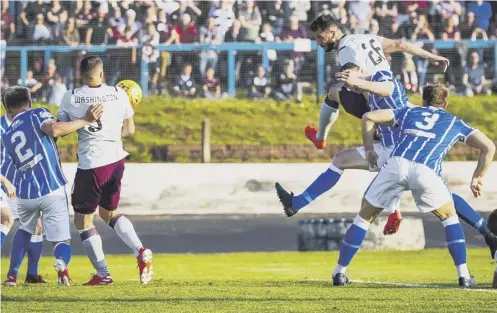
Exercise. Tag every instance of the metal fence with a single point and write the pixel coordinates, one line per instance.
(234, 62)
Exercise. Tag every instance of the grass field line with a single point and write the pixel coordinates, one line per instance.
(388, 283)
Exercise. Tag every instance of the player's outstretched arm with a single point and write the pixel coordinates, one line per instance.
(57, 129)
(11, 190)
(128, 127)
(390, 46)
(353, 81)
(369, 121)
(480, 141)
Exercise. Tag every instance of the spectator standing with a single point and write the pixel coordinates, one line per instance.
(99, 30)
(30, 13)
(7, 25)
(209, 35)
(151, 55)
(482, 11)
(46, 83)
(422, 32)
(56, 18)
(185, 7)
(40, 32)
(409, 77)
(260, 87)
(224, 16)
(451, 31)
(385, 12)
(187, 32)
(295, 31)
(268, 36)
(251, 20)
(276, 17)
(212, 86)
(130, 42)
(57, 91)
(131, 21)
(363, 11)
(299, 8)
(167, 35)
(83, 18)
(468, 26)
(67, 60)
(287, 84)
(116, 22)
(474, 77)
(185, 84)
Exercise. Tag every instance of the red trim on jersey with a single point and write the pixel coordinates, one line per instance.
(97, 86)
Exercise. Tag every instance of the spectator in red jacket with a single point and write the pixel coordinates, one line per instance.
(187, 32)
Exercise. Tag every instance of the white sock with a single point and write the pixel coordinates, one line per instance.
(462, 270)
(327, 116)
(4, 229)
(36, 238)
(125, 230)
(339, 269)
(93, 247)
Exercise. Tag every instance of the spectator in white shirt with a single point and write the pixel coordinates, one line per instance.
(40, 30)
(57, 92)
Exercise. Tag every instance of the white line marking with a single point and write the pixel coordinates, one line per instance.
(420, 285)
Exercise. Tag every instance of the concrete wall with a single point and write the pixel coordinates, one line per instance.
(249, 188)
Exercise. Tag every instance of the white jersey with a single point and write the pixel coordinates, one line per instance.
(366, 51)
(100, 142)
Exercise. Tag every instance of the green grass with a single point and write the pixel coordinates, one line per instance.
(264, 282)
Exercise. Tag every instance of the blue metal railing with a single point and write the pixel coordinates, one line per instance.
(231, 49)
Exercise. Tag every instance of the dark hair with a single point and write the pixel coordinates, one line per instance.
(16, 97)
(349, 66)
(435, 95)
(90, 63)
(322, 22)
(492, 222)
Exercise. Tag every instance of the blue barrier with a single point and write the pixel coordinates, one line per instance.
(231, 49)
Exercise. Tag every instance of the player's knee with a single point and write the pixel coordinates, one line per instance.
(340, 160)
(83, 221)
(6, 218)
(106, 215)
(368, 211)
(446, 211)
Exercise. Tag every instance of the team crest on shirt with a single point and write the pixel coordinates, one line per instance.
(45, 114)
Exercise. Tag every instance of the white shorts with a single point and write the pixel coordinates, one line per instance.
(398, 175)
(5, 201)
(55, 209)
(382, 152)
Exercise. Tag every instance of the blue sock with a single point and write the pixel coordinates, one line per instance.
(351, 243)
(469, 215)
(454, 235)
(63, 251)
(20, 245)
(34, 254)
(323, 183)
(4, 231)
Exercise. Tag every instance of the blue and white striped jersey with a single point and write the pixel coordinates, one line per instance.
(7, 169)
(34, 155)
(389, 135)
(427, 133)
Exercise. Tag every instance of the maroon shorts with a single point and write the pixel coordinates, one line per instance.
(99, 186)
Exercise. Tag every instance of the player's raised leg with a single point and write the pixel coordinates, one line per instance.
(347, 159)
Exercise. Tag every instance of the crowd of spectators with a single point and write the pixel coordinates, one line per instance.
(147, 23)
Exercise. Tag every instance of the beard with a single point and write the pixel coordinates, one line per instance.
(328, 46)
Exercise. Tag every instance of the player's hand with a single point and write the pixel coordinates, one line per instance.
(476, 186)
(11, 190)
(372, 158)
(440, 61)
(350, 79)
(94, 113)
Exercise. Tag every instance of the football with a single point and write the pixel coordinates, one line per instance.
(133, 90)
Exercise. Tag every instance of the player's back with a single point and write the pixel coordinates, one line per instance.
(427, 134)
(7, 168)
(398, 100)
(100, 142)
(363, 50)
(34, 155)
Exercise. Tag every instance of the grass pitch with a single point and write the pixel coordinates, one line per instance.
(421, 281)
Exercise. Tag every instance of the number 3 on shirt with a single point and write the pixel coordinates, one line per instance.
(19, 140)
(428, 122)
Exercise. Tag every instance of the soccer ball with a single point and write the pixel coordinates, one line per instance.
(133, 90)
